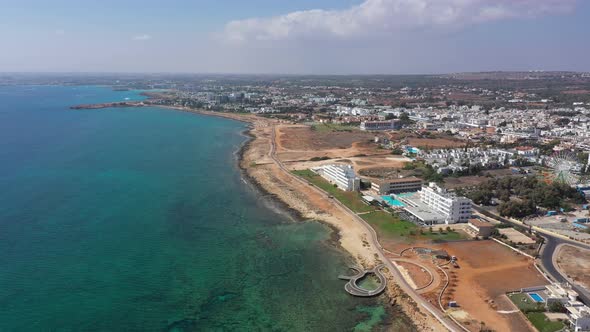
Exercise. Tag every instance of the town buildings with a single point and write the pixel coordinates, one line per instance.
(381, 125)
(446, 161)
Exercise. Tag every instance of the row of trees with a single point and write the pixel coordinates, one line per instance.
(521, 196)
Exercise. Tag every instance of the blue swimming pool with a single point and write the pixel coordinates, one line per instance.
(536, 297)
(392, 201)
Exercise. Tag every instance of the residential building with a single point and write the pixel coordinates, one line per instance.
(579, 317)
(396, 186)
(480, 228)
(342, 176)
(381, 125)
(559, 293)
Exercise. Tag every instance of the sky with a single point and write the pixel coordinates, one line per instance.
(294, 36)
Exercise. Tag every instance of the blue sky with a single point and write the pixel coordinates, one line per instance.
(295, 37)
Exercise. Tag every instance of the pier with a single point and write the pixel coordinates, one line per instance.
(354, 289)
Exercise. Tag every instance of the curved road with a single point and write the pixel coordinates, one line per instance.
(446, 321)
(424, 288)
(548, 251)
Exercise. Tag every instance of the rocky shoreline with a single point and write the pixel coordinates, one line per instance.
(296, 201)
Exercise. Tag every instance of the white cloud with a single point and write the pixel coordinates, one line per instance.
(60, 32)
(387, 16)
(142, 37)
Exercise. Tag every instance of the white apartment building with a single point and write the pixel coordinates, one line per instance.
(453, 208)
(579, 317)
(342, 176)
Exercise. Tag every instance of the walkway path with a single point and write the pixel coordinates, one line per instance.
(354, 289)
(446, 321)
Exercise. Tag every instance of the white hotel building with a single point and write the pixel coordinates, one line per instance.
(435, 205)
(342, 176)
(454, 208)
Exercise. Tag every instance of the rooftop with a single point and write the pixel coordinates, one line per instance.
(399, 180)
(478, 223)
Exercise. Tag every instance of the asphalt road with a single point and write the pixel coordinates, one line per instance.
(548, 251)
(547, 260)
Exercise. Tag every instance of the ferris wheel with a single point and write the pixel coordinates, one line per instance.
(566, 167)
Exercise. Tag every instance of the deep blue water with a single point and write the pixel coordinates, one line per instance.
(137, 219)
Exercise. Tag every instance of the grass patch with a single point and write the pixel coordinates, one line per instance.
(445, 236)
(532, 312)
(524, 302)
(349, 198)
(542, 323)
(387, 225)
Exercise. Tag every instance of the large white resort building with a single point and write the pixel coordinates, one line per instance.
(435, 205)
(342, 176)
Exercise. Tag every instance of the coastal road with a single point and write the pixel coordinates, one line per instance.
(549, 250)
(446, 321)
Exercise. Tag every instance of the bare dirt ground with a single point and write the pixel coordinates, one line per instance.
(420, 277)
(435, 141)
(487, 271)
(297, 144)
(474, 180)
(301, 137)
(575, 263)
(576, 92)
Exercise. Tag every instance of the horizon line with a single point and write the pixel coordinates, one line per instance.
(278, 74)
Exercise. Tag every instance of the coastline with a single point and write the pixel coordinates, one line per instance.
(302, 202)
(289, 198)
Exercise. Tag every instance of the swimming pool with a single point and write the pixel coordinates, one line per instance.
(536, 297)
(392, 201)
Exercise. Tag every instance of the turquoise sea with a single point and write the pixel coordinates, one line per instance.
(138, 219)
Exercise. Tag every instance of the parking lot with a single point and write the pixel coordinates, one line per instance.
(566, 226)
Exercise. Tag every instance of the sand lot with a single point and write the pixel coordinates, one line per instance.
(575, 263)
(487, 271)
(299, 137)
(516, 236)
(301, 143)
(297, 144)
